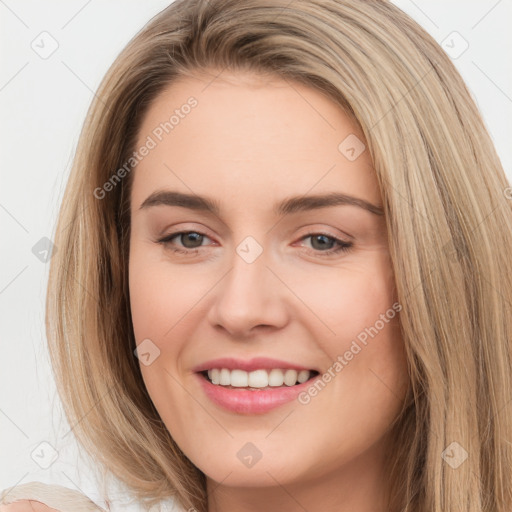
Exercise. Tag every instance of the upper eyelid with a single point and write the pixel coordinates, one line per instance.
(310, 233)
(204, 231)
(185, 231)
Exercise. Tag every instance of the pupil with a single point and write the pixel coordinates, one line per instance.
(191, 237)
(322, 245)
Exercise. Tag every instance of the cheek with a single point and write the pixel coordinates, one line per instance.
(160, 297)
(162, 308)
(357, 328)
(347, 301)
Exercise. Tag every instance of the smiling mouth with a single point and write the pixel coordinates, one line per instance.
(257, 380)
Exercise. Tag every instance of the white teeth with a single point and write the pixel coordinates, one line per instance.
(303, 376)
(239, 379)
(225, 378)
(257, 378)
(215, 376)
(290, 377)
(276, 377)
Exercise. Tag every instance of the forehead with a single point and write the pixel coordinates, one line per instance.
(252, 136)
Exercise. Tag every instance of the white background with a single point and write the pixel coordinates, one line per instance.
(43, 104)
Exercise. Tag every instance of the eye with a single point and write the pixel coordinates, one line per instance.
(322, 244)
(325, 244)
(190, 241)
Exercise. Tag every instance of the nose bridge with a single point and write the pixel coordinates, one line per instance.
(249, 270)
(248, 295)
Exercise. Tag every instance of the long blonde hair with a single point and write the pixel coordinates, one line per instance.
(450, 239)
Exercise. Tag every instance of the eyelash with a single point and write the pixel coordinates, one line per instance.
(343, 246)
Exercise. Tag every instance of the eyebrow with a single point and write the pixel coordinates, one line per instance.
(286, 207)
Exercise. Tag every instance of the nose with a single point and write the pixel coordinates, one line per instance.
(249, 298)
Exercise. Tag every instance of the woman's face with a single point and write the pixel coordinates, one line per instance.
(275, 281)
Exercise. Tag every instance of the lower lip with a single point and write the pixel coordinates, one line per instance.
(246, 401)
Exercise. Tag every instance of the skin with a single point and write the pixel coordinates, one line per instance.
(251, 142)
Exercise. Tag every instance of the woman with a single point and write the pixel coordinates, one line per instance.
(286, 282)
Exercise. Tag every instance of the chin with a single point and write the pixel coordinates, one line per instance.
(259, 463)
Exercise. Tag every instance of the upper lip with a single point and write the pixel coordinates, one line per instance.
(257, 363)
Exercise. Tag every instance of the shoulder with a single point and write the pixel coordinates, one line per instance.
(39, 497)
(26, 506)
